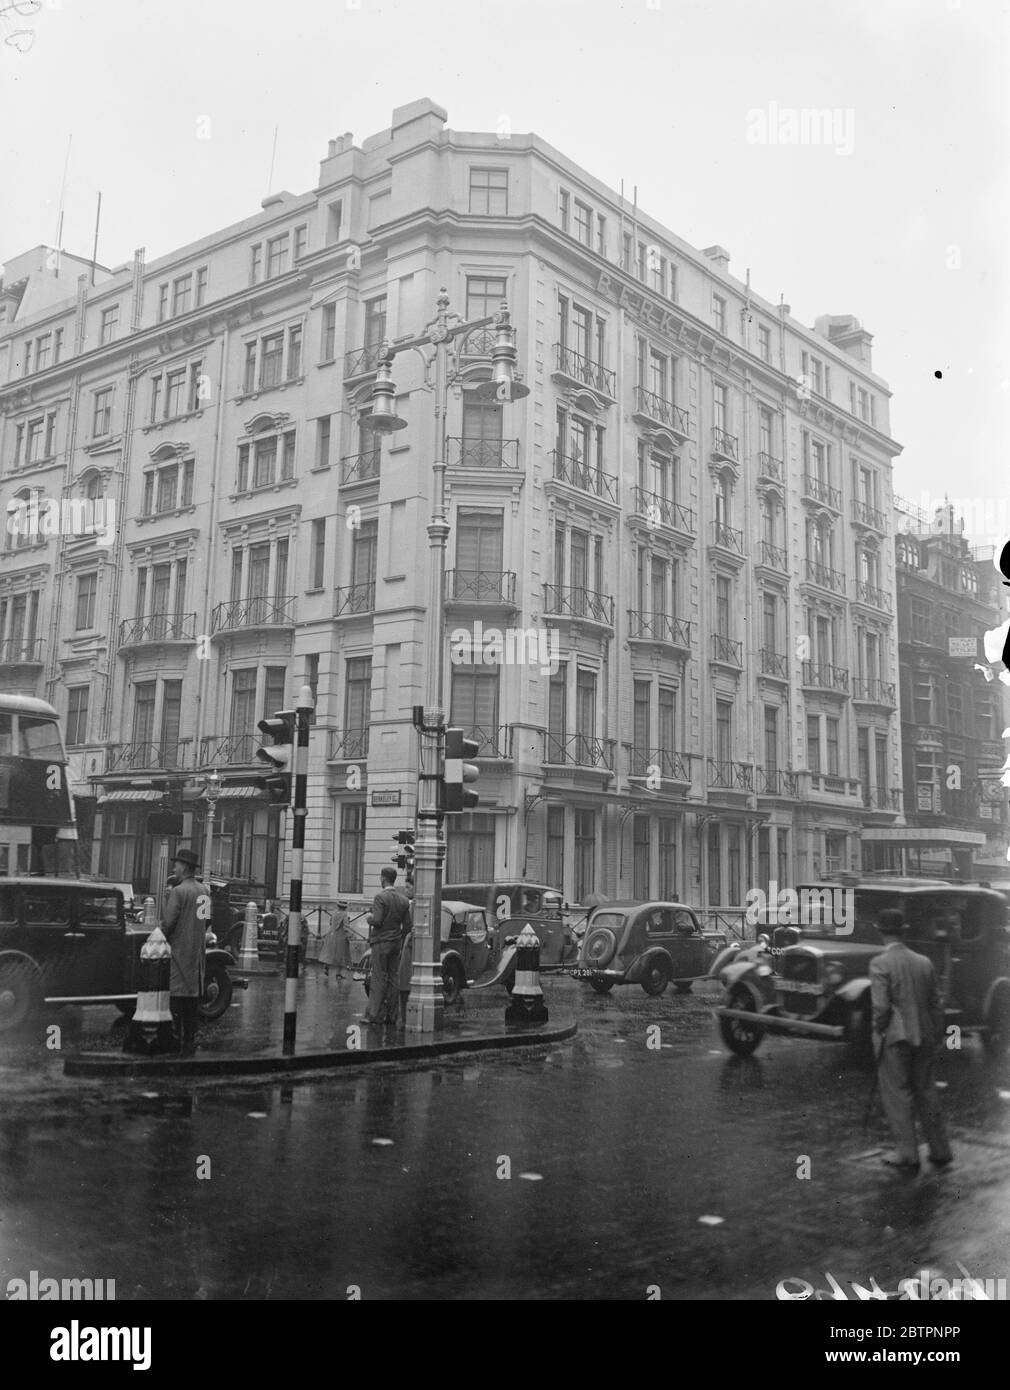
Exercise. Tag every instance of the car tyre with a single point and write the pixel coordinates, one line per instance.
(20, 994)
(741, 1037)
(656, 977)
(217, 990)
(601, 986)
(996, 1037)
(453, 983)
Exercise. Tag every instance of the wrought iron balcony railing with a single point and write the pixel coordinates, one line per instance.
(727, 650)
(866, 515)
(825, 676)
(479, 342)
(158, 627)
(493, 740)
(816, 490)
(582, 750)
(777, 781)
(730, 776)
(774, 557)
(229, 750)
(663, 412)
(360, 468)
(870, 594)
(673, 767)
(769, 467)
(480, 586)
(355, 598)
(254, 612)
(348, 744)
(660, 510)
(167, 754)
(774, 663)
(882, 798)
(658, 627)
(576, 602)
(585, 476)
(873, 691)
(728, 537)
(483, 453)
(816, 573)
(363, 360)
(584, 371)
(21, 651)
(724, 445)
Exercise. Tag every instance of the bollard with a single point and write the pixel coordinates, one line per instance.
(150, 1029)
(248, 957)
(527, 1002)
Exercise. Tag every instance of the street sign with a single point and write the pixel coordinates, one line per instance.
(390, 798)
(924, 796)
(962, 646)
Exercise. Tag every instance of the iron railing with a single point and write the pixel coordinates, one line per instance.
(819, 491)
(724, 444)
(773, 556)
(868, 516)
(664, 412)
(576, 602)
(816, 573)
(676, 767)
(769, 467)
(363, 360)
(480, 586)
(166, 753)
(873, 691)
(158, 627)
(227, 750)
(21, 651)
(347, 744)
(355, 598)
(730, 776)
(493, 740)
(657, 509)
(774, 663)
(870, 594)
(825, 676)
(483, 453)
(727, 536)
(585, 476)
(254, 612)
(582, 750)
(658, 627)
(360, 468)
(777, 781)
(584, 371)
(726, 649)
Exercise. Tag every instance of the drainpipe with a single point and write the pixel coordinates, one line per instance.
(211, 549)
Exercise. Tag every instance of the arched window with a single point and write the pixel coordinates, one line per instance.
(94, 488)
(723, 497)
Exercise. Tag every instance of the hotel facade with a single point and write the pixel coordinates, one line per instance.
(694, 501)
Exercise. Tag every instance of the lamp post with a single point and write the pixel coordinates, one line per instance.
(211, 792)
(425, 1008)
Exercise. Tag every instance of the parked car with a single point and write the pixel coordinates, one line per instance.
(814, 980)
(468, 941)
(648, 944)
(510, 906)
(68, 941)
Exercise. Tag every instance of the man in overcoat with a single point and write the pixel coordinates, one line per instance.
(185, 926)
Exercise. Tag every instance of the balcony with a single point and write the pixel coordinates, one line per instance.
(584, 476)
(815, 490)
(821, 675)
(574, 369)
(657, 412)
(770, 469)
(493, 741)
(347, 745)
(660, 511)
(873, 597)
(725, 446)
(777, 781)
(355, 598)
(483, 453)
(830, 784)
(726, 650)
(727, 537)
(21, 651)
(730, 776)
(360, 468)
(243, 615)
(816, 573)
(362, 361)
(492, 588)
(579, 750)
(672, 767)
(659, 627)
(773, 557)
(874, 692)
(168, 755)
(563, 601)
(865, 515)
(230, 750)
(158, 628)
(882, 799)
(775, 664)
(479, 342)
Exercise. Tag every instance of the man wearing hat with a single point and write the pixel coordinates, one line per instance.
(908, 1027)
(186, 931)
(336, 947)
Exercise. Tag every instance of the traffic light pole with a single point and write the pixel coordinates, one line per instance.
(303, 712)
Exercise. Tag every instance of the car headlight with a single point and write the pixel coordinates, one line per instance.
(834, 973)
(764, 970)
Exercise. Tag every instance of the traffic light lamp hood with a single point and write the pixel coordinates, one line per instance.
(457, 772)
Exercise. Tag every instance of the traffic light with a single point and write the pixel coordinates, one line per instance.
(404, 858)
(456, 772)
(277, 755)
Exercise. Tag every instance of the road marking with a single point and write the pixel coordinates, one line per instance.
(532, 1177)
(382, 1141)
(711, 1220)
(256, 1115)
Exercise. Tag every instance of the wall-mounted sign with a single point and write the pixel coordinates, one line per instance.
(962, 646)
(924, 796)
(985, 812)
(390, 798)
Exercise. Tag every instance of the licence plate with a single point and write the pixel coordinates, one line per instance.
(798, 987)
(582, 974)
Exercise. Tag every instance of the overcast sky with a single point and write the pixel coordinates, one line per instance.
(902, 221)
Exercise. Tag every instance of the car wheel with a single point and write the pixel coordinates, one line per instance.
(601, 986)
(683, 986)
(453, 983)
(19, 994)
(216, 992)
(738, 1034)
(598, 951)
(656, 976)
(996, 1037)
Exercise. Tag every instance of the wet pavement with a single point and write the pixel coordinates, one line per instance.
(637, 1155)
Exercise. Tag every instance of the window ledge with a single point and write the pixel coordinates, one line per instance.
(32, 545)
(393, 578)
(257, 491)
(326, 362)
(267, 390)
(321, 589)
(160, 516)
(105, 441)
(321, 468)
(47, 462)
(398, 448)
(172, 420)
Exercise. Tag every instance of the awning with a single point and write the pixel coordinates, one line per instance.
(233, 793)
(896, 836)
(148, 794)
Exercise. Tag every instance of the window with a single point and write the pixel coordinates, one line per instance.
(168, 488)
(626, 253)
(323, 441)
(312, 679)
(667, 731)
(57, 345)
(880, 752)
(473, 700)
(201, 286)
(364, 555)
(657, 271)
(375, 322)
(78, 698)
(334, 223)
(583, 223)
(301, 241)
(255, 262)
(813, 742)
(831, 734)
(719, 312)
(719, 403)
(585, 854)
(470, 848)
(764, 342)
(723, 605)
(327, 344)
(564, 208)
(557, 714)
(555, 857)
(87, 593)
(38, 436)
(601, 234)
(923, 698)
(771, 752)
(318, 560)
(715, 865)
(243, 702)
(765, 430)
(484, 295)
(863, 762)
(101, 419)
(109, 324)
(274, 686)
(42, 349)
(175, 393)
(834, 852)
(721, 496)
(277, 255)
(271, 360)
(182, 294)
(723, 731)
(642, 703)
(351, 873)
(668, 858)
(640, 865)
(489, 192)
(479, 547)
(163, 293)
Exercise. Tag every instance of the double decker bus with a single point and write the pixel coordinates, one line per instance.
(38, 833)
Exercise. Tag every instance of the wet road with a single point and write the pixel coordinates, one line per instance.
(598, 1169)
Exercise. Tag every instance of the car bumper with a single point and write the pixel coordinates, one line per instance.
(587, 972)
(777, 1023)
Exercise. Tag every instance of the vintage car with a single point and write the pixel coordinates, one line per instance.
(812, 979)
(67, 941)
(648, 944)
(510, 906)
(468, 941)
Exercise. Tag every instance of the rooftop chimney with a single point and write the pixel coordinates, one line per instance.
(718, 255)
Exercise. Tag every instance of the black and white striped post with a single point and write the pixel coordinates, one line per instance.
(303, 713)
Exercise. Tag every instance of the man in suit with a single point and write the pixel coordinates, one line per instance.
(908, 1027)
(187, 909)
(389, 920)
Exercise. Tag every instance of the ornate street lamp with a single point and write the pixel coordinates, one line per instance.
(211, 792)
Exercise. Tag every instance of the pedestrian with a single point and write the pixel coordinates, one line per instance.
(186, 931)
(389, 921)
(908, 1027)
(336, 947)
